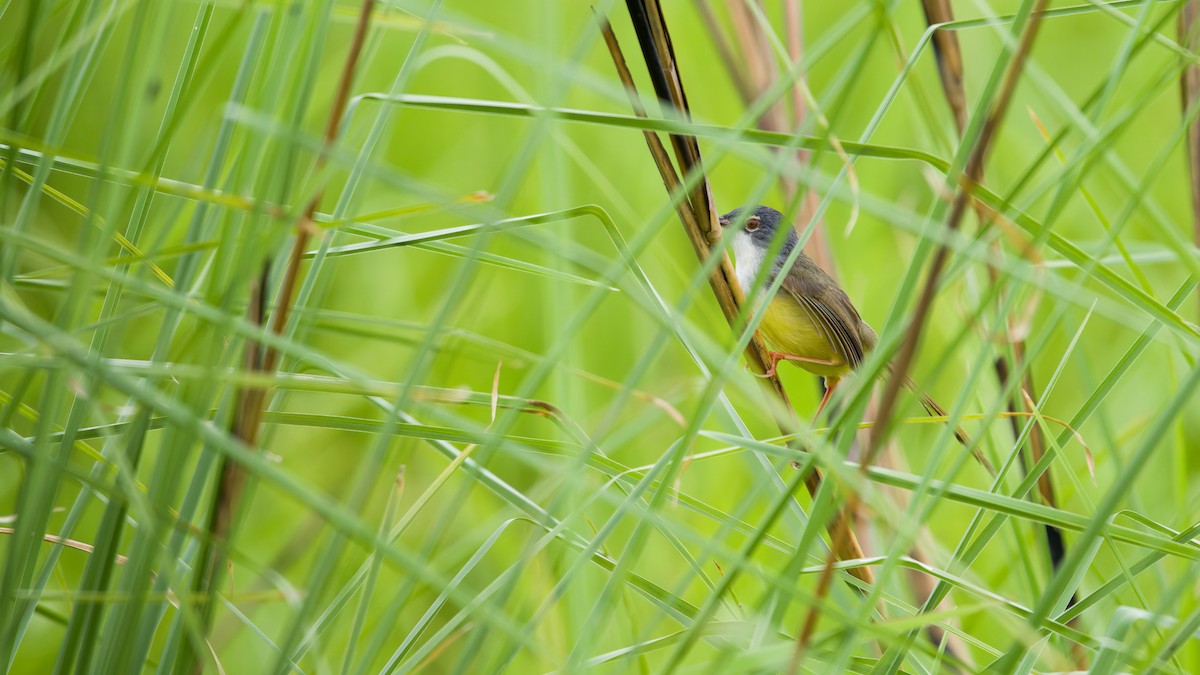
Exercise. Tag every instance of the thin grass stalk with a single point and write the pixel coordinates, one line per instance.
(247, 420)
(25, 55)
(699, 217)
(1069, 574)
(760, 67)
(184, 638)
(1054, 539)
(716, 32)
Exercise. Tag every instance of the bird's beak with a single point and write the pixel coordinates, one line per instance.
(723, 221)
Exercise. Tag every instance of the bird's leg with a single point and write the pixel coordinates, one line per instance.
(772, 365)
(773, 359)
(831, 383)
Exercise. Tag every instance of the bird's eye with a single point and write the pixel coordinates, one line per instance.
(752, 224)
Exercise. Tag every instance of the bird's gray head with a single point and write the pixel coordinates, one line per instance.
(752, 241)
(761, 225)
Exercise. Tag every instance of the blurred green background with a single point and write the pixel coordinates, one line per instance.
(436, 329)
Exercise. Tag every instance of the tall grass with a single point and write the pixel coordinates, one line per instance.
(508, 428)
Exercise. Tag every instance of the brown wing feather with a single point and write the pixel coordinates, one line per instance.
(829, 307)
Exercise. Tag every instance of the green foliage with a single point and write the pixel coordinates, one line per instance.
(510, 429)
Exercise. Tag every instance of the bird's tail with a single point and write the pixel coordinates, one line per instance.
(934, 410)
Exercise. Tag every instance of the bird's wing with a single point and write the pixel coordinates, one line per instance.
(829, 308)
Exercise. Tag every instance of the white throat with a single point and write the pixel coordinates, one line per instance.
(749, 260)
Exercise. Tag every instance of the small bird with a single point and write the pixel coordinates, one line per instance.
(810, 321)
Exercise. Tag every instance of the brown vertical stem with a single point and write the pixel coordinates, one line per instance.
(248, 410)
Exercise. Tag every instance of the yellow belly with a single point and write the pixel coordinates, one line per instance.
(788, 328)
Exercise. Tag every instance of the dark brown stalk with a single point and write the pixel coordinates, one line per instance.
(248, 410)
(699, 217)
